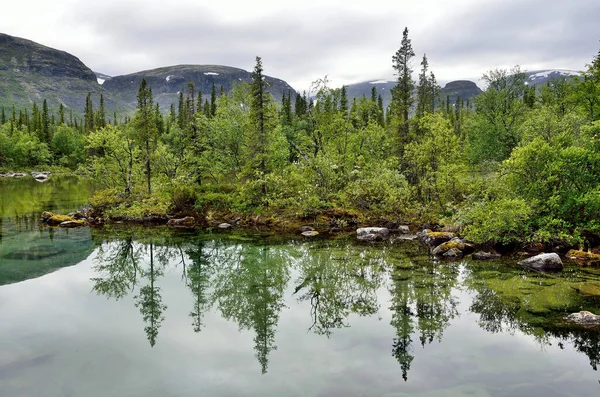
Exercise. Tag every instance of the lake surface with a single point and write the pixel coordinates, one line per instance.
(128, 311)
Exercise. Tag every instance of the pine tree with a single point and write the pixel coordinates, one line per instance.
(424, 90)
(3, 117)
(374, 94)
(61, 114)
(45, 123)
(381, 115)
(145, 125)
(213, 101)
(260, 123)
(101, 117)
(402, 99)
(344, 101)
(88, 114)
(181, 112)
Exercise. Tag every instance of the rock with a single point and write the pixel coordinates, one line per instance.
(224, 225)
(40, 176)
(310, 233)
(433, 239)
(404, 237)
(583, 255)
(19, 175)
(74, 223)
(549, 261)
(589, 288)
(305, 228)
(57, 219)
(182, 222)
(584, 318)
(453, 248)
(403, 229)
(47, 215)
(157, 219)
(484, 256)
(372, 233)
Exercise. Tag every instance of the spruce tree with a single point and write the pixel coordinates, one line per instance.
(374, 94)
(344, 101)
(145, 125)
(45, 123)
(213, 101)
(101, 117)
(61, 114)
(381, 114)
(88, 114)
(3, 117)
(423, 89)
(402, 99)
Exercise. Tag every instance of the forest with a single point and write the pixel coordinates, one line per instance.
(517, 164)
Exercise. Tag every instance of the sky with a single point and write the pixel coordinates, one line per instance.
(302, 41)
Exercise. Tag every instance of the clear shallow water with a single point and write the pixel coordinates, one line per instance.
(184, 314)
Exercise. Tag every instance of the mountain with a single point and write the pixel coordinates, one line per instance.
(539, 77)
(168, 82)
(464, 89)
(32, 72)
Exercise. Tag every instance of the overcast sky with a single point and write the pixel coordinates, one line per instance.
(349, 41)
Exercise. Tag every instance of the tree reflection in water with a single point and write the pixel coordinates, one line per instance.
(246, 283)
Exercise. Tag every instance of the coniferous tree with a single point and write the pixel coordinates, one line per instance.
(145, 125)
(45, 123)
(402, 99)
(381, 114)
(373, 94)
(181, 112)
(213, 101)
(101, 119)
(424, 90)
(61, 114)
(344, 101)
(88, 114)
(3, 117)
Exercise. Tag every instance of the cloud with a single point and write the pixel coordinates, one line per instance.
(293, 47)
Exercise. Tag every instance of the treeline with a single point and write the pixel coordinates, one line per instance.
(518, 163)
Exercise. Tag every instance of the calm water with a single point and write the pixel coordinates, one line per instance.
(133, 312)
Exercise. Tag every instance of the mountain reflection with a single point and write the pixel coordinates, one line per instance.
(251, 283)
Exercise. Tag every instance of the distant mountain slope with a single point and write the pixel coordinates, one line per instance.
(539, 77)
(464, 89)
(32, 72)
(168, 82)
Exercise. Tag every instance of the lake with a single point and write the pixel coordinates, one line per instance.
(132, 311)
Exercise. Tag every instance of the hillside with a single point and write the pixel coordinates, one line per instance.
(31, 72)
(168, 82)
(464, 88)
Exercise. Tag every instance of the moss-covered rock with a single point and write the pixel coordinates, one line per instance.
(583, 255)
(57, 219)
(74, 223)
(433, 239)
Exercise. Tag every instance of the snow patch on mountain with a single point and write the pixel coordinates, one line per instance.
(380, 82)
(100, 81)
(211, 74)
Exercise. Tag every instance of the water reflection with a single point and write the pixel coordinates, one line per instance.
(251, 283)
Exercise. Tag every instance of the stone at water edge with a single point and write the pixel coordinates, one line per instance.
(187, 221)
(484, 256)
(372, 233)
(305, 228)
(75, 223)
(403, 229)
(433, 239)
(549, 261)
(310, 233)
(224, 225)
(584, 318)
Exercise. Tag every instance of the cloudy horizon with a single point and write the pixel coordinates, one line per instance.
(300, 43)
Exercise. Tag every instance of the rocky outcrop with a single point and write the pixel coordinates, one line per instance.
(74, 223)
(584, 318)
(188, 221)
(433, 239)
(543, 262)
(372, 233)
(484, 256)
(454, 248)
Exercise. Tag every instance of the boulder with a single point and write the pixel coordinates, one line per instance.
(542, 262)
(310, 233)
(57, 219)
(456, 247)
(74, 223)
(182, 222)
(584, 318)
(19, 175)
(40, 176)
(433, 239)
(305, 228)
(224, 225)
(403, 229)
(484, 256)
(372, 233)
(583, 255)
(47, 215)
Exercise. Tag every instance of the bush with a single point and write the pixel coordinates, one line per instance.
(501, 220)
